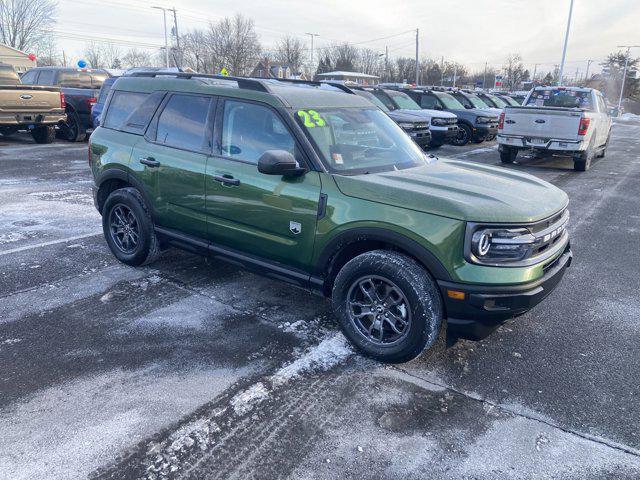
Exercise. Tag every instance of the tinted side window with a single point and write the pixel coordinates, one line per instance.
(249, 130)
(46, 77)
(139, 118)
(427, 101)
(183, 123)
(121, 106)
(73, 78)
(29, 78)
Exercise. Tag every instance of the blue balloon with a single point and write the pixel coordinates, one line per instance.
(82, 63)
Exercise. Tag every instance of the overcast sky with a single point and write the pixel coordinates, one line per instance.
(468, 31)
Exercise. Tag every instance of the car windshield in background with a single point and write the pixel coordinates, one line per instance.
(372, 98)
(80, 79)
(358, 140)
(8, 76)
(560, 98)
(477, 101)
(497, 100)
(449, 101)
(511, 101)
(404, 101)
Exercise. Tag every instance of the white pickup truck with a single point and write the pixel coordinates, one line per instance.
(559, 120)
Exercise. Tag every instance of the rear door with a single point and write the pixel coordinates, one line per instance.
(269, 216)
(171, 159)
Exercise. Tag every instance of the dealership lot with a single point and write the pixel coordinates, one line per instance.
(191, 368)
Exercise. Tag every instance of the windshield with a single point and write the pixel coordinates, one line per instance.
(510, 101)
(402, 100)
(560, 98)
(476, 101)
(373, 99)
(359, 140)
(8, 76)
(497, 101)
(449, 101)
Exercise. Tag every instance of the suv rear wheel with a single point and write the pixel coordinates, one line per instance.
(72, 130)
(128, 228)
(44, 134)
(387, 305)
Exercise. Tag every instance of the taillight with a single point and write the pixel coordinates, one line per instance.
(584, 126)
(91, 102)
(501, 121)
(63, 102)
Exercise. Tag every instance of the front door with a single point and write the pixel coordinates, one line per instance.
(269, 216)
(172, 159)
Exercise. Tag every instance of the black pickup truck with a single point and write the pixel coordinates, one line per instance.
(80, 87)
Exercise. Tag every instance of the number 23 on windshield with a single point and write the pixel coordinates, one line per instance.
(311, 118)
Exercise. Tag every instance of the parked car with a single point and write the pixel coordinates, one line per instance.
(492, 100)
(314, 187)
(473, 100)
(416, 126)
(97, 108)
(25, 107)
(80, 88)
(562, 120)
(509, 100)
(443, 125)
(473, 124)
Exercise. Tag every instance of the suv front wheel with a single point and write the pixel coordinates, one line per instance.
(128, 228)
(387, 305)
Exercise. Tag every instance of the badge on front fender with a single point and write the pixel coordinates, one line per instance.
(295, 227)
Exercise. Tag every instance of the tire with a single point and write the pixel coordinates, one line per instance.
(8, 131)
(46, 134)
(434, 146)
(603, 152)
(582, 162)
(464, 135)
(490, 138)
(479, 139)
(508, 155)
(72, 130)
(128, 204)
(412, 293)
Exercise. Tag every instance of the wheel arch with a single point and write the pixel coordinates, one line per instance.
(351, 243)
(113, 179)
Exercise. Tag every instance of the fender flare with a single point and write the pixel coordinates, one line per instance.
(123, 175)
(422, 254)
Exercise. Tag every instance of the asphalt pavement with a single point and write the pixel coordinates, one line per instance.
(190, 368)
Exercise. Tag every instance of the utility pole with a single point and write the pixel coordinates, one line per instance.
(624, 72)
(166, 37)
(417, 62)
(566, 41)
(455, 73)
(175, 29)
(312, 35)
(535, 69)
(386, 63)
(442, 70)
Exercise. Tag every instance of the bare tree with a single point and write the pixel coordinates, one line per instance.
(344, 57)
(290, 50)
(136, 58)
(234, 45)
(105, 55)
(370, 62)
(196, 52)
(47, 53)
(514, 71)
(23, 23)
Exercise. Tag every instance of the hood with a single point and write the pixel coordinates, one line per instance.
(407, 117)
(427, 113)
(462, 190)
(493, 111)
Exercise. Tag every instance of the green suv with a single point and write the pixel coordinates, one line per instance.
(312, 186)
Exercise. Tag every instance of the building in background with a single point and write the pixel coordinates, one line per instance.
(20, 61)
(356, 77)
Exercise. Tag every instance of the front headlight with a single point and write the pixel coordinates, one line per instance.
(439, 122)
(406, 126)
(496, 245)
(485, 119)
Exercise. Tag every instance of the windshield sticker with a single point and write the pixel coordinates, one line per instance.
(338, 159)
(311, 118)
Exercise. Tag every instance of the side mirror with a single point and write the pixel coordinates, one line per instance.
(437, 107)
(279, 162)
(468, 107)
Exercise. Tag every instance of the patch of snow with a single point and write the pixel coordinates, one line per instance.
(245, 400)
(11, 341)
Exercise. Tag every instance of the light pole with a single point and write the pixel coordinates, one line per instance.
(312, 35)
(566, 41)
(624, 72)
(166, 38)
(417, 61)
(586, 74)
(175, 26)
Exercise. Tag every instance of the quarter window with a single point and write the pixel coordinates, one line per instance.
(249, 130)
(121, 106)
(29, 78)
(183, 123)
(46, 77)
(427, 101)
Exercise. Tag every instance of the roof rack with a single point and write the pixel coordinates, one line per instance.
(243, 82)
(314, 83)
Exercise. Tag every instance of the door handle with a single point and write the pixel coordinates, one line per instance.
(149, 161)
(226, 180)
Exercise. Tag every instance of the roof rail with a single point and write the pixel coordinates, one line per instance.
(315, 83)
(342, 86)
(243, 82)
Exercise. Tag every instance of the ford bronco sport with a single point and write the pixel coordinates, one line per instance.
(320, 188)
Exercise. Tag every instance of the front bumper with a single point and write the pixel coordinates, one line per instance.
(443, 134)
(484, 308)
(484, 130)
(422, 138)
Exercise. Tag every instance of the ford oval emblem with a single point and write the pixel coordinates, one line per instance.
(540, 120)
(26, 96)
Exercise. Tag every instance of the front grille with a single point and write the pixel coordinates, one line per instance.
(549, 233)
